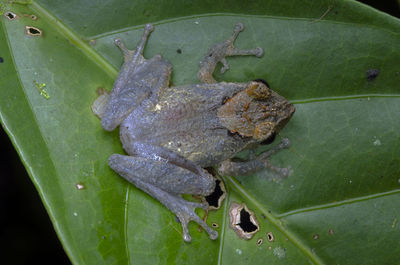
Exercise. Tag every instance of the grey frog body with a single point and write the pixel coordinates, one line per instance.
(172, 133)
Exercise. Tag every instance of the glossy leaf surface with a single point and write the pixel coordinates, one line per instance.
(340, 205)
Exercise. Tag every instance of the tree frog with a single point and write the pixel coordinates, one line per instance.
(170, 134)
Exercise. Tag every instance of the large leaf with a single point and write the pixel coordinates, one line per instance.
(340, 205)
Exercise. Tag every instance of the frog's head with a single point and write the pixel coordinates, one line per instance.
(257, 112)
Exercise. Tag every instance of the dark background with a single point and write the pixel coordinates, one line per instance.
(26, 234)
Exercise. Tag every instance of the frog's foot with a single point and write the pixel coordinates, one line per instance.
(129, 55)
(165, 180)
(185, 211)
(231, 168)
(229, 50)
(219, 51)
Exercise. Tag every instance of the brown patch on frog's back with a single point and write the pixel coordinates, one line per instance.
(258, 90)
(256, 112)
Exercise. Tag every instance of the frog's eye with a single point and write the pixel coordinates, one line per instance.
(262, 81)
(224, 100)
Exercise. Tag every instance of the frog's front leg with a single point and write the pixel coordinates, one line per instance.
(218, 52)
(139, 79)
(135, 57)
(231, 168)
(165, 179)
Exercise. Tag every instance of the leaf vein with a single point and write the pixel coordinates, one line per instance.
(339, 203)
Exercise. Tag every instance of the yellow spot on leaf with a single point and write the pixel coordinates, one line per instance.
(40, 87)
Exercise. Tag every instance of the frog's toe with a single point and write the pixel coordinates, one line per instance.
(239, 27)
(225, 65)
(285, 143)
(186, 235)
(286, 171)
(186, 214)
(259, 52)
(202, 205)
(121, 45)
(149, 27)
(119, 42)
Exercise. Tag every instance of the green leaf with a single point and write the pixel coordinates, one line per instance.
(340, 205)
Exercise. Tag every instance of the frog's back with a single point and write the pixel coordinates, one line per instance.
(185, 120)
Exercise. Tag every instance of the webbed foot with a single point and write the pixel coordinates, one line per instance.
(165, 181)
(185, 211)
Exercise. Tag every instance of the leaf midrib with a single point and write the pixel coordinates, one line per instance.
(223, 229)
(126, 225)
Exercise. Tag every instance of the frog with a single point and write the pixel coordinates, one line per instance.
(173, 134)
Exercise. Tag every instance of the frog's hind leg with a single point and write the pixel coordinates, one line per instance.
(137, 54)
(232, 51)
(165, 182)
(219, 51)
(231, 168)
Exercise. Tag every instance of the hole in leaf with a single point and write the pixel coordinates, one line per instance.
(32, 31)
(1, 60)
(245, 223)
(270, 237)
(31, 16)
(10, 15)
(79, 186)
(217, 196)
